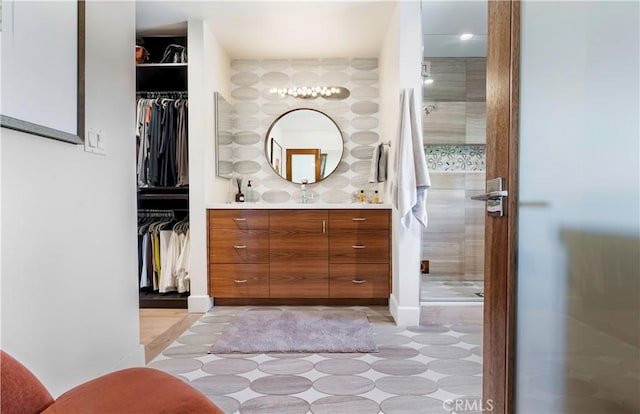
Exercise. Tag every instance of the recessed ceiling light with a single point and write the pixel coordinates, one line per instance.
(466, 36)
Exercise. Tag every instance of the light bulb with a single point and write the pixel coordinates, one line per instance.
(466, 36)
(428, 81)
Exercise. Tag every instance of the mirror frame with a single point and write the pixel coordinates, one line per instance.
(52, 133)
(217, 96)
(323, 159)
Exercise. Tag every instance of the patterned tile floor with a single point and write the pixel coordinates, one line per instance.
(423, 369)
(450, 290)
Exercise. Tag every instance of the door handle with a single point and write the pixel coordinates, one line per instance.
(494, 196)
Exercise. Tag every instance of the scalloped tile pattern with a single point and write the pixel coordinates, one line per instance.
(256, 109)
(405, 376)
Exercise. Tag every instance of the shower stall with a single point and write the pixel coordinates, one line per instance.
(454, 123)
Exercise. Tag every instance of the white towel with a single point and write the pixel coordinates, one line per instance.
(409, 187)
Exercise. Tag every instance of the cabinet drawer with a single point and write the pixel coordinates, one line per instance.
(307, 221)
(239, 280)
(238, 246)
(308, 278)
(239, 219)
(359, 280)
(358, 219)
(359, 246)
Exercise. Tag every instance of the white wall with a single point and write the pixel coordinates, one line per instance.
(400, 61)
(69, 289)
(209, 71)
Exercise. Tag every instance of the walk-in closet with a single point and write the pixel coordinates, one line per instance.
(162, 170)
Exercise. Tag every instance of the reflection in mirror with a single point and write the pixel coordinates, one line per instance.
(304, 144)
(224, 137)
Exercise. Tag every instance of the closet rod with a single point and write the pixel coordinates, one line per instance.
(156, 94)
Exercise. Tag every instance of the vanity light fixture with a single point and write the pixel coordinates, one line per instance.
(466, 36)
(426, 73)
(312, 92)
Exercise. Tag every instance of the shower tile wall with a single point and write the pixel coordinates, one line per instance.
(458, 94)
(454, 240)
(256, 108)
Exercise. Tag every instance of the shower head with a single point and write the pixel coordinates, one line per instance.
(429, 108)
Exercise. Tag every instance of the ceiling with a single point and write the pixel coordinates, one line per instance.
(278, 29)
(269, 29)
(444, 21)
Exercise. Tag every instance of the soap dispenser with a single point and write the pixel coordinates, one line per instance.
(250, 196)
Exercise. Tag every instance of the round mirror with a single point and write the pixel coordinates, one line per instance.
(304, 144)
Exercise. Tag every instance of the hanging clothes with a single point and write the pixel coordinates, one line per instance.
(182, 276)
(161, 140)
(163, 254)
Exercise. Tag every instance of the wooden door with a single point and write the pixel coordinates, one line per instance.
(303, 156)
(503, 66)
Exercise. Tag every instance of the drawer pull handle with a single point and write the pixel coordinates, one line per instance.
(358, 246)
(239, 219)
(239, 246)
(240, 280)
(359, 218)
(359, 281)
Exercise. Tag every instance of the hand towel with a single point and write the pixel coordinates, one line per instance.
(409, 187)
(378, 170)
(374, 172)
(382, 163)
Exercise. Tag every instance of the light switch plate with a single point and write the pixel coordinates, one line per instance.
(95, 142)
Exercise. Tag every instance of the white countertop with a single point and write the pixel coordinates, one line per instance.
(299, 206)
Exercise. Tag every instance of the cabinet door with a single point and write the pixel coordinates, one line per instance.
(239, 280)
(238, 246)
(359, 280)
(299, 248)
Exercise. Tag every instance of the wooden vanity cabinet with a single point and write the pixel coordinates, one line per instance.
(239, 253)
(324, 254)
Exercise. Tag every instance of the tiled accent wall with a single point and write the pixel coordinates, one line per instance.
(455, 157)
(454, 239)
(256, 108)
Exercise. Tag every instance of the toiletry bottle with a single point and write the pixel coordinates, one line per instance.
(361, 197)
(250, 196)
(376, 197)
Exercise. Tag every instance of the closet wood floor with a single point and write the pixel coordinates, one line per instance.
(160, 327)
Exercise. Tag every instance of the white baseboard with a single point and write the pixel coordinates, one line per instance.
(135, 358)
(404, 315)
(199, 303)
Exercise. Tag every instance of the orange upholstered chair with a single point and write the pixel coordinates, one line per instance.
(133, 390)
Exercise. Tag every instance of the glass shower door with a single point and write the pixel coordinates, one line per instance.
(578, 294)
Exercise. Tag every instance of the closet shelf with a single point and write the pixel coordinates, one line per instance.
(163, 193)
(159, 65)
